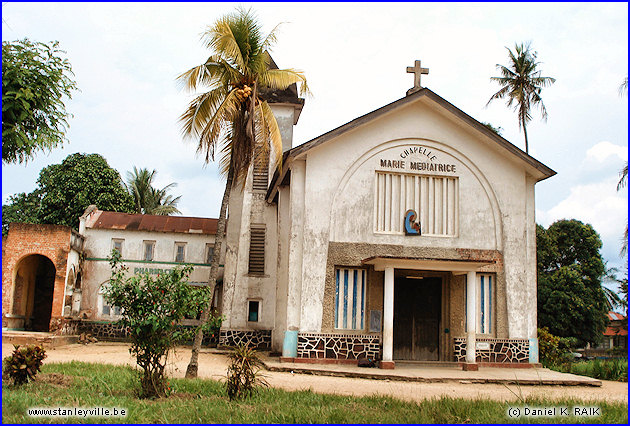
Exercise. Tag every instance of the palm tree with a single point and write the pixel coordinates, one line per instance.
(521, 84)
(623, 180)
(231, 118)
(146, 198)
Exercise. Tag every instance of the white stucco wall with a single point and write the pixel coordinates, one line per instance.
(495, 203)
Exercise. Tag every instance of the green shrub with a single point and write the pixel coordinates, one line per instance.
(23, 364)
(243, 375)
(611, 369)
(151, 309)
(554, 350)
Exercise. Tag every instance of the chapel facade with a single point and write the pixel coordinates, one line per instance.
(406, 234)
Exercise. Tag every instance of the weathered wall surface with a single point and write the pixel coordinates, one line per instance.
(494, 212)
(98, 246)
(23, 240)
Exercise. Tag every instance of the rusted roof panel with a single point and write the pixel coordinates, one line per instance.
(153, 223)
(615, 316)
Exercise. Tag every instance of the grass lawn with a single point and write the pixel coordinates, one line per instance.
(204, 401)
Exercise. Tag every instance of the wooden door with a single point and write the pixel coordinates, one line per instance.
(417, 307)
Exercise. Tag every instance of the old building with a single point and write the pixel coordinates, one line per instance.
(40, 269)
(405, 234)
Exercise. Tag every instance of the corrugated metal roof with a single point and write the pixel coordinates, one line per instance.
(615, 316)
(153, 223)
(615, 331)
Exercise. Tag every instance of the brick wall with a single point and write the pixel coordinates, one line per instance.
(51, 241)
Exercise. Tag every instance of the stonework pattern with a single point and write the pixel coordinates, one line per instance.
(501, 350)
(113, 331)
(259, 339)
(338, 346)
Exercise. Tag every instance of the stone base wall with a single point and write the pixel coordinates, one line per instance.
(112, 331)
(259, 339)
(338, 346)
(500, 351)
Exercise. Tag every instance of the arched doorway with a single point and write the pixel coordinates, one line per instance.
(33, 289)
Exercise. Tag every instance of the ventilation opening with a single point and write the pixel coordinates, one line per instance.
(257, 250)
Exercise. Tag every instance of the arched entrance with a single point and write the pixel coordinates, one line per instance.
(33, 289)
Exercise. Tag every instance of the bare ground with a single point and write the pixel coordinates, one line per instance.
(214, 366)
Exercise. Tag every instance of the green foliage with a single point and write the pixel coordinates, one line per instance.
(34, 81)
(65, 190)
(21, 207)
(554, 350)
(571, 302)
(146, 198)
(602, 369)
(23, 364)
(243, 374)
(151, 309)
(497, 130)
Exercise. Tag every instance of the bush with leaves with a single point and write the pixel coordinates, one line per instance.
(23, 364)
(243, 374)
(151, 309)
(554, 350)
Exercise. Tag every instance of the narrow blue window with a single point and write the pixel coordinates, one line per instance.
(355, 273)
(337, 300)
(345, 298)
(483, 299)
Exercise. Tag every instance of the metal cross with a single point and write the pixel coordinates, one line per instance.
(417, 70)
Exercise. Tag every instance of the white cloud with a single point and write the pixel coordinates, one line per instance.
(603, 150)
(598, 204)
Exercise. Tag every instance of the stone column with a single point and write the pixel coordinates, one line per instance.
(388, 319)
(471, 320)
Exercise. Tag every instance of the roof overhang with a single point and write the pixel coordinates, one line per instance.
(456, 266)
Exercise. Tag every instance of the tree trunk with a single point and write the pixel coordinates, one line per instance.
(193, 365)
(525, 132)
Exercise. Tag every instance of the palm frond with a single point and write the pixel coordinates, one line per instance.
(281, 79)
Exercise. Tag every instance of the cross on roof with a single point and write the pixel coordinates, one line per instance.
(417, 70)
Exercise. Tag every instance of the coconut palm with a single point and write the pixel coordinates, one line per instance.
(521, 85)
(146, 198)
(623, 180)
(231, 118)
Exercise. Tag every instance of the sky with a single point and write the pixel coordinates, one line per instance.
(126, 57)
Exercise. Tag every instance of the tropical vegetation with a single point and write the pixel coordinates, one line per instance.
(35, 81)
(571, 300)
(521, 85)
(65, 190)
(230, 119)
(151, 309)
(146, 198)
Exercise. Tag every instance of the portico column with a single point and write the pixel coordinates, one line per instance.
(471, 320)
(388, 319)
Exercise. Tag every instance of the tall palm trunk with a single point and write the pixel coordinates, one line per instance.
(193, 365)
(525, 132)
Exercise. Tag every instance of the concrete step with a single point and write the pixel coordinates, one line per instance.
(47, 340)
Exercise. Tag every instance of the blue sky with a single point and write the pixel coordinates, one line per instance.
(126, 57)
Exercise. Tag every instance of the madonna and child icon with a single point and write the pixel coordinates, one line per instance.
(411, 224)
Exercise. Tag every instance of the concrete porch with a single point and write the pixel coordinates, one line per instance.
(438, 372)
(47, 340)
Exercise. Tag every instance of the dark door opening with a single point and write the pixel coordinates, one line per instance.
(43, 295)
(417, 308)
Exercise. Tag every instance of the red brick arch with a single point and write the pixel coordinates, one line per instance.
(50, 241)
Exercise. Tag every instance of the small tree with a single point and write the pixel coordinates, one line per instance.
(151, 309)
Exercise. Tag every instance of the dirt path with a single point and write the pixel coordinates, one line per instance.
(212, 365)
